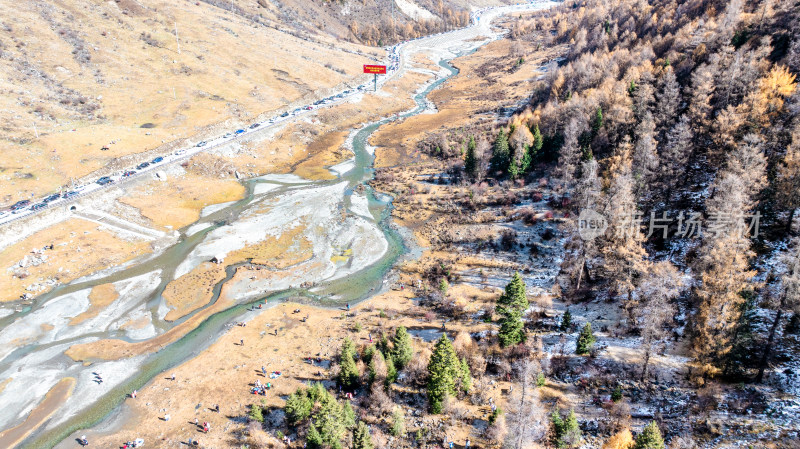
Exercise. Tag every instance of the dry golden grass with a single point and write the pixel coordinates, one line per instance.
(192, 290)
(100, 297)
(290, 248)
(80, 248)
(177, 202)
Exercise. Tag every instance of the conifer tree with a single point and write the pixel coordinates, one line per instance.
(501, 154)
(402, 352)
(566, 321)
(566, 431)
(471, 160)
(444, 369)
(465, 377)
(650, 438)
(348, 371)
(361, 437)
(526, 161)
(597, 121)
(585, 340)
(511, 305)
(391, 369)
(538, 143)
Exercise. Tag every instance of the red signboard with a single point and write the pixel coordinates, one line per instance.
(376, 69)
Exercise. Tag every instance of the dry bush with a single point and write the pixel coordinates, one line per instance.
(479, 394)
(464, 344)
(380, 404)
(621, 440)
(619, 416)
(417, 369)
(455, 409)
(497, 432)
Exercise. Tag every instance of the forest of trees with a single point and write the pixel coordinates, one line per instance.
(679, 124)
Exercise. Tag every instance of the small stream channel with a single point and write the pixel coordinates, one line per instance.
(352, 288)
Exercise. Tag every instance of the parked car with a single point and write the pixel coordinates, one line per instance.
(19, 205)
(285, 114)
(157, 160)
(128, 173)
(202, 143)
(239, 131)
(70, 194)
(105, 180)
(308, 108)
(227, 136)
(38, 206)
(255, 125)
(52, 197)
(143, 165)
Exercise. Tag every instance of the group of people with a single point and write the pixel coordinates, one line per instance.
(260, 389)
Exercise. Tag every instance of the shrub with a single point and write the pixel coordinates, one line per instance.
(565, 431)
(616, 395)
(398, 422)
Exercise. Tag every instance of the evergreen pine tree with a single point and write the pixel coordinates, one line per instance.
(256, 413)
(398, 422)
(526, 161)
(650, 438)
(443, 370)
(402, 351)
(471, 160)
(513, 169)
(361, 437)
(391, 369)
(501, 155)
(511, 305)
(585, 340)
(566, 321)
(538, 143)
(597, 122)
(465, 376)
(298, 407)
(572, 431)
(348, 371)
(314, 439)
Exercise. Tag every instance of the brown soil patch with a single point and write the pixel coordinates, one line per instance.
(100, 297)
(49, 405)
(192, 290)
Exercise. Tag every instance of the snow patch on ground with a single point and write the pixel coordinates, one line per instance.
(264, 187)
(414, 11)
(208, 210)
(359, 204)
(343, 167)
(284, 179)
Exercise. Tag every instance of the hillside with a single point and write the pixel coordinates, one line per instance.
(138, 76)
